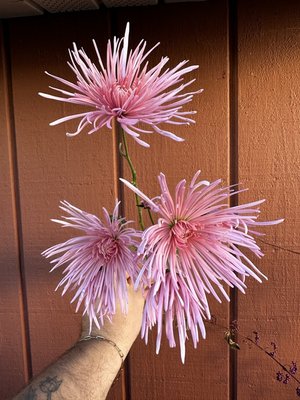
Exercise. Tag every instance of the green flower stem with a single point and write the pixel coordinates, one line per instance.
(124, 152)
(150, 216)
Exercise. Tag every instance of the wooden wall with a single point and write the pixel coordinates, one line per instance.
(247, 130)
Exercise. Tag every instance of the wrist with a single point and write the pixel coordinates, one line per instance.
(122, 337)
(101, 338)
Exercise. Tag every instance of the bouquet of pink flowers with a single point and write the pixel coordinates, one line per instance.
(196, 241)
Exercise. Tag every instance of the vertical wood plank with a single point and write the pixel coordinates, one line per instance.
(197, 32)
(53, 167)
(269, 143)
(13, 362)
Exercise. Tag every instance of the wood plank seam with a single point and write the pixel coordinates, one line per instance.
(126, 387)
(9, 106)
(233, 164)
(119, 193)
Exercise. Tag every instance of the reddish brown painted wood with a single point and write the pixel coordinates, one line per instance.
(269, 142)
(197, 32)
(13, 362)
(53, 167)
(83, 170)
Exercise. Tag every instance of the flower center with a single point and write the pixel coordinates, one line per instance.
(106, 249)
(182, 231)
(120, 92)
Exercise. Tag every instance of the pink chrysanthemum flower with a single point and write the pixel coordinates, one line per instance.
(194, 248)
(126, 89)
(98, 262)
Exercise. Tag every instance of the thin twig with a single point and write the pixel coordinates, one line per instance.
(278, 247)
(247, 338)
(273, 358)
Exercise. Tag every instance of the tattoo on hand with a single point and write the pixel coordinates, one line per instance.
(48, 386)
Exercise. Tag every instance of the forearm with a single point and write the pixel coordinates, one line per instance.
(86, 371)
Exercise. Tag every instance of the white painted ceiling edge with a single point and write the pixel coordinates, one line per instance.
(26, 8)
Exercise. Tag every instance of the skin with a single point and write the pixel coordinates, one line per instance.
(88, 369)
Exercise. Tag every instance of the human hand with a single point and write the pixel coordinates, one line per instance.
(124, 328)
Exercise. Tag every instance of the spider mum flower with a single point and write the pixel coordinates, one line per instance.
(194, 248)
(98, 262)
(126, 89)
